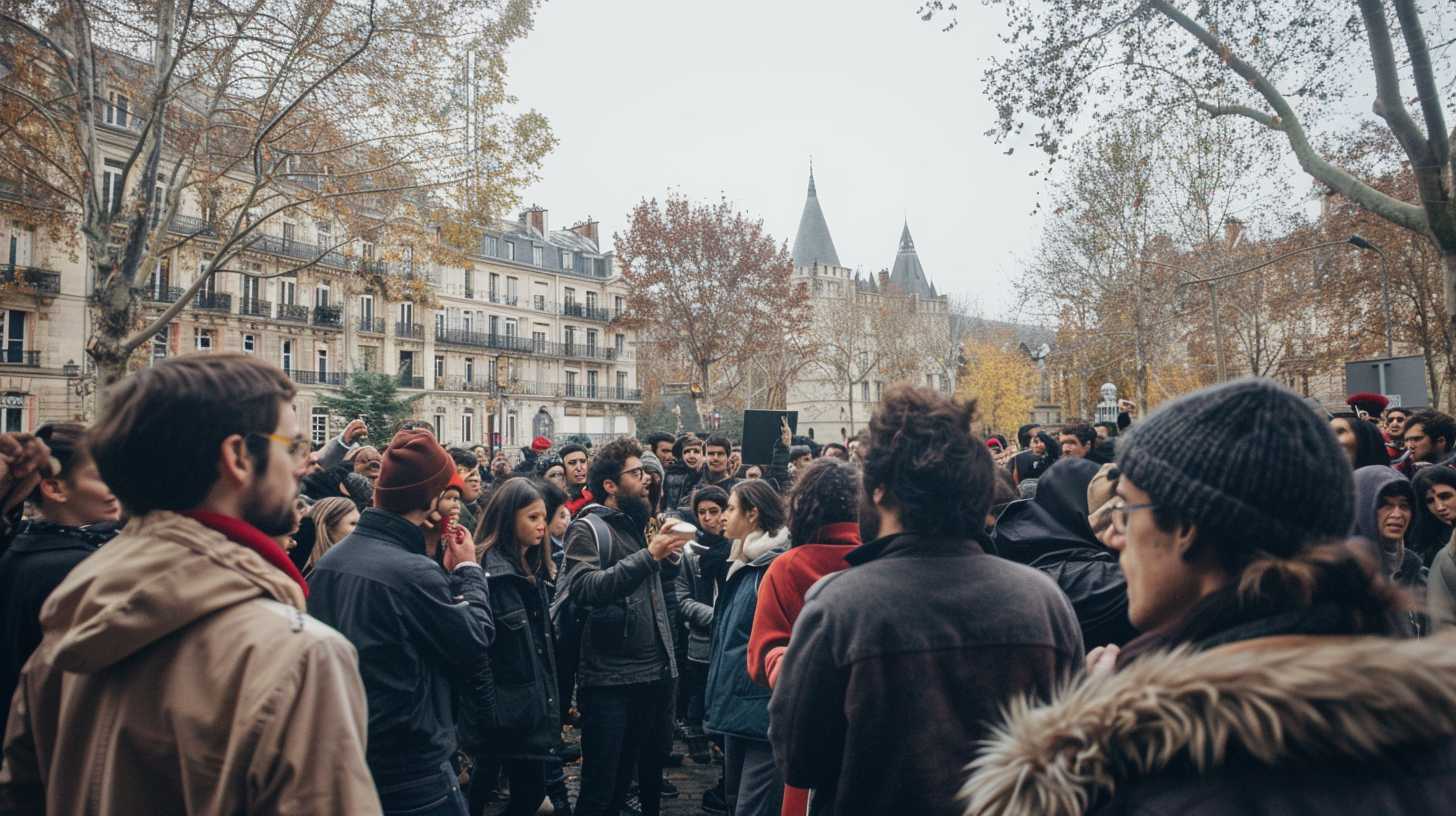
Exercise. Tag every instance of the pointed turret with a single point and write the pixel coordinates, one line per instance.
(813, 245)
(908, 275)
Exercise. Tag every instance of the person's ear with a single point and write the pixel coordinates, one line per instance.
(1185, 539)
(234, 463)
(53, 491)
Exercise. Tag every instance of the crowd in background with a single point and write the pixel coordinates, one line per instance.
(1225, 606)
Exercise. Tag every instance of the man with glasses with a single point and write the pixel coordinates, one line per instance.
(627, 667)
(188, 631)
(417, 626)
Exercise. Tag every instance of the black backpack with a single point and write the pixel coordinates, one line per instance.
(608, 623)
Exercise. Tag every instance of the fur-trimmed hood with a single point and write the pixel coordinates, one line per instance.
(1272, 700)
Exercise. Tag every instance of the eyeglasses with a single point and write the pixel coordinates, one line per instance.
(298, 446)
(1120, 513)
(636, 471)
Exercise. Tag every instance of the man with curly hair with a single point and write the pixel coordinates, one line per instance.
(925, 636)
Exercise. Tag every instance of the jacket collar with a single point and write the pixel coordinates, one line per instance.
(392, 528)
(902, 545)
(497, 565)
(839, 534)
(1301, 697)
(241, 532)
(40, 536)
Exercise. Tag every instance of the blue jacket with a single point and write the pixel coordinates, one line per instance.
(735, 704)
(415, 628)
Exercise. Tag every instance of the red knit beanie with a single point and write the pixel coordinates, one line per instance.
(415, 471)
(540, 444)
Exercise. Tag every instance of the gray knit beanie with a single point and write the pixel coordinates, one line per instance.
(1248, 462)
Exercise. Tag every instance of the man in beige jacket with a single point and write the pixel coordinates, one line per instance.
(179, 671)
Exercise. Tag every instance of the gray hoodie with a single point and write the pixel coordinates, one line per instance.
(1372, 484)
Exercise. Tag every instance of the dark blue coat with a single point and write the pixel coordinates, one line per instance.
(735, 704)
(415, 628)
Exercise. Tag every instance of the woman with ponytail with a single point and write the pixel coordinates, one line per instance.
(1271, 673)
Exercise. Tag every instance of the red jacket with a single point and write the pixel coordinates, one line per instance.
(781, 595)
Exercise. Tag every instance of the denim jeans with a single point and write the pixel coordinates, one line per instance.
(623, 727)
(426, 793)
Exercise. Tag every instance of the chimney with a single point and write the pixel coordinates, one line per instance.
(535, 218)
(587, 229)
(1233, 228)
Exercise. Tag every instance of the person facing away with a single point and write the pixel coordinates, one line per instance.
(1266, 680)
(626, 671)
(75, 513)
(417, 626)
(893, 672)
(207, 687)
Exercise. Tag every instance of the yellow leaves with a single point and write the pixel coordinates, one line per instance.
(1002, 380)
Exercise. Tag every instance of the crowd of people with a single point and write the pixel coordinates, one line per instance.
(1231, 605)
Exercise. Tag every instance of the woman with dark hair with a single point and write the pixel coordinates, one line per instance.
(553, 471)
(823, 529)
(1361, 441)
(524, 728)
(1435, 511)
(75, 513)
(737, 708)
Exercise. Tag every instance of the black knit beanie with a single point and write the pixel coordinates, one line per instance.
(1248, 462)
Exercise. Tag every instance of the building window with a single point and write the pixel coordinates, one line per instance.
(439, 323)
(469, 322)
(567, 263)
(203, 339)
(538, 342)
(323, 364)
(619, 304)
(621, 385)
(407, 313)
(620, 344)
(591, 384)
(536, 255)
(511, 429)
(14, 335)
(470, 283)
(285, 355)
(469, 369)
(511, 284)
(318, 426)
(510, 329)
(160, 342)
(321, 296)
(864, 391)
(440, 423)
(13, 406)
(571, 383)
(250, 344)
(117, 106)
(287, 291)
(539, 303)
(439, 366)
(111, 186)
(569, 336)
(366, 310)
(569, 295)
(369, 358)
(494, 290)
(290, 232)
(366, 250)
(325, 232)
(591, 341)
(591, 301)
(879, 390)
(492, 246)
(467, 426)
(510, 251)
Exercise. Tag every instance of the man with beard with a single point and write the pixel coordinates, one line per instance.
(965, 647)
(192, 616)
(416, 625)
(627, 667)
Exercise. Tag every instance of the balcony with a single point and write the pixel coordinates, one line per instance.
(253, 307)
(42, 281)
(259, 241)
(571, 309)
(406, 381)
(335, 378)
(603, 393)
(587, 351)
(20, 358)
(504, 300)
(409, 331)
(328, 317)
(371, 325)
(213, 302)
(162, 294)
(293, 312)
(534, 389)
(474, 386)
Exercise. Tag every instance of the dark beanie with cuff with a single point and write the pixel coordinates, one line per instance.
(415, 471)
(1245, 461)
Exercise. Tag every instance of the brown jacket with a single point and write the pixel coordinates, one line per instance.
(179, 674)
(1276, 725)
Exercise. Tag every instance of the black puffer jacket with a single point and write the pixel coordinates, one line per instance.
(1055, 520)
(416, 628)
(526, 722)
(39, 558)
(678, 484)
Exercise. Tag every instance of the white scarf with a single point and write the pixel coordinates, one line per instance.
(757, 544)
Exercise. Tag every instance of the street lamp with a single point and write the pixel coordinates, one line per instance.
(82, 383)
(1356, 240)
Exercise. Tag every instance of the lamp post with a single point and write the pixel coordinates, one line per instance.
(82, 381)
(1356, 240)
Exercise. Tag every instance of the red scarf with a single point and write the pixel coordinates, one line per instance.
(243, 533)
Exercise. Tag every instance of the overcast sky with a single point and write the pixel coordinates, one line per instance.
(732, 98)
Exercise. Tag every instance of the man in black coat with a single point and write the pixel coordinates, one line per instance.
(925, 637)
(415, 625)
